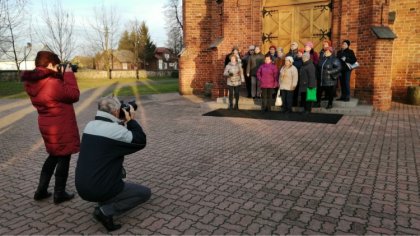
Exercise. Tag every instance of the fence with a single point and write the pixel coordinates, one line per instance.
(7, 75)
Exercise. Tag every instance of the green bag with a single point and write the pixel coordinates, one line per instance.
(311, 94)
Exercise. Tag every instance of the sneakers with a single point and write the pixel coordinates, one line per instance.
(106, 221)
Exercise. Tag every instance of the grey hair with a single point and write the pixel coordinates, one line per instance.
(109, 104)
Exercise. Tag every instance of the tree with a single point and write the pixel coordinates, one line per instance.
(58, 31)
(138, 41)
(146, 48)
(105, 30)
(126, 42)
(174, 25)
(12, 21)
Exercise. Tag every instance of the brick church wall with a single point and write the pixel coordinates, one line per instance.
(239, 23)
(406, 49)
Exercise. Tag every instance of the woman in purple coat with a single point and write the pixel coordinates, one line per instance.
(268, 75)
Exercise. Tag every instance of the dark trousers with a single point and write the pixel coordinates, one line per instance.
(266, 98)
(61, 162)
(329, 93)
(131, 196)
(287, 98)
(248, 85)
(233, 91)
(345, 84)
(303, 103)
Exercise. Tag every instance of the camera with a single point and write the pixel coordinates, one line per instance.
(126, 106)
(63, 66)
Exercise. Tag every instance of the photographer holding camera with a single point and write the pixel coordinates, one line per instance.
(53, 90)
(99, 171)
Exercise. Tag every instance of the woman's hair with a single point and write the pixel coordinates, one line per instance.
(232, 55)
(109, 104)
(43, 58)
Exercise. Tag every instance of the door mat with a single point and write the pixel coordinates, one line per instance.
(275, 115)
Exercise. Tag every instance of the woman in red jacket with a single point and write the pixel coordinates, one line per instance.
(53, 93)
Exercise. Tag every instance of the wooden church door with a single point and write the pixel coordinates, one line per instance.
(286, 21)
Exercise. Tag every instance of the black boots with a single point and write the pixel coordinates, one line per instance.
(106, 221)
(42, 190)
(60, 194)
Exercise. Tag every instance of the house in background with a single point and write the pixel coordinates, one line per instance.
(120, 60)
(164, 60)
(26, 57)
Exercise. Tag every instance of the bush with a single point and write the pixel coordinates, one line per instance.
(175, 74)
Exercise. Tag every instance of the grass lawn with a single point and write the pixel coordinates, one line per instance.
(120, 87)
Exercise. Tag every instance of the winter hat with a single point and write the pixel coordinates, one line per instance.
(347, 41)
(289, 58)
(46, 56)
(306, 56)
(309, 44)
(252, 47)
(280, 49)
(331, 49)
(301, 50)
(272, 47)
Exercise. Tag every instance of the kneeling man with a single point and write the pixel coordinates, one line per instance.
(100, 171)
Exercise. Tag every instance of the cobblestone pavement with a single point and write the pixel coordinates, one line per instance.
(213, 175)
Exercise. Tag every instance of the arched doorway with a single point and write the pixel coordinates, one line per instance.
(286, 21)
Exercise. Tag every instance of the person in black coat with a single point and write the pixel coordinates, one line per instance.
(346, 55)
(329, 69)
(99, 170)
(244, 66)
(307, 78)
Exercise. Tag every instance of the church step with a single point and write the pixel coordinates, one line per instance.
(249, 101)
(359, 110)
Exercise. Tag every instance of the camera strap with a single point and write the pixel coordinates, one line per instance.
(103, 119)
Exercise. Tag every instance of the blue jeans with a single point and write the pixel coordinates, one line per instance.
(131, 196)
(345, 84)
(287, 97)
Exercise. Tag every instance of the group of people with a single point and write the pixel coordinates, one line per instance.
(106, 140)
(291, 73)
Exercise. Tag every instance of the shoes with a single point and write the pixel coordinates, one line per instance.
(41, 195)
(339, 99)
(64, 196)
(106, 221)
(346, 100)
(329, 106)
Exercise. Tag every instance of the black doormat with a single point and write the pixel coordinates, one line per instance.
(275, 115)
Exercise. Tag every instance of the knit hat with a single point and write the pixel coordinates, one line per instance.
(280, 49)
(301, 50)
(252, 47)
(306, 56)
(309, 44)
(331, 49)
(347, 41)
(272, 46)
(46, 56)
(289, 58)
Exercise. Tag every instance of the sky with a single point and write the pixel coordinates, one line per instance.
(150, 11)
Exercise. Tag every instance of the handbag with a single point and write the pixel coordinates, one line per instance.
(278, 102)
(311, 94)
(353, 66)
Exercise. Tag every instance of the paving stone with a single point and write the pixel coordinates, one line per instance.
(215, 175)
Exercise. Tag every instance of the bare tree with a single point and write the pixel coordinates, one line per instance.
(57, 32)
(174, 25)
(12, 29)
(104, 33)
